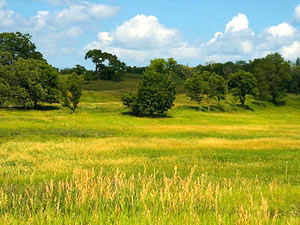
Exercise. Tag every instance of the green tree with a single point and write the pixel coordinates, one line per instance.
(278, 77)
(38, 79)
(295, 85)
(155, 95)
(197, 87)
(107, 66)
(72, 89)
(260, 71)
(6, 58)
(28, 82)
(158, 66)
(217, 87)
(19, 45)
(241, 84)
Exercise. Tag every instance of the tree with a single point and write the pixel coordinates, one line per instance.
(295, 85)
(163, 66)
(19, 45)
(197, 87)
(241, 84)
(217, 87)
(278, 75)
(28, 82)
(183, 72)
(158, 66)
(113, 69)
(72, 90)
(80, 70)
(155, 95)
(260, 71)
(39, 79)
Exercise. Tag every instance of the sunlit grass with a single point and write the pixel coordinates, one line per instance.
(247, 167)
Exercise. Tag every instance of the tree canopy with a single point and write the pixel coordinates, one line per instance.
(107, 65)
(19, 45)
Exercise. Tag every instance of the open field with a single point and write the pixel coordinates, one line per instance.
(104, 166)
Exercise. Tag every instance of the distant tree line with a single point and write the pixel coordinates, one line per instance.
(266, 79)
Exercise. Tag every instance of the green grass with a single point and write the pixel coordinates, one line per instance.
(239, 155)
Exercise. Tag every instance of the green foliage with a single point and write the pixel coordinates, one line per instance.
(277, 73)
(29, 81)
(295, 86)
(72, 90)
(217, 87)
(6, 58)
(197, 87)
(107, 66)
(19, 45)
(241, 84)
(155, 95)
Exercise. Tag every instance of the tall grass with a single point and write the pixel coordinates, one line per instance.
(119, 198)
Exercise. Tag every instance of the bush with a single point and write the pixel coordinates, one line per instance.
(155, 96)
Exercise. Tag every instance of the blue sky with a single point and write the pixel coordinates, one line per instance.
(136, 31)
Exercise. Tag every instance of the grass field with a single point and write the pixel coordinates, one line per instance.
(104, 166)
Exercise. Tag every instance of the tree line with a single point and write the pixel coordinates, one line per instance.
(26, 79)
(266, 79)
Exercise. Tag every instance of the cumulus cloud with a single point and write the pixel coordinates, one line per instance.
(142, 38)
(145, 31)
(282, 30)
(292, 51)
(239, 22)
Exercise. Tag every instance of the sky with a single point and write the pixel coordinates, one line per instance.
(192, 31)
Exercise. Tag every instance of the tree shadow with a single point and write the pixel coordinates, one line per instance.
(46, 107)
(213, 108)
(247, 107)
(37, 108)
(128, 113)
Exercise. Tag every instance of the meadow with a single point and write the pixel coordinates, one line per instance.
(102, 165)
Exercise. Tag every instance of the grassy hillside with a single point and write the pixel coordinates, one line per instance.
(103, 166)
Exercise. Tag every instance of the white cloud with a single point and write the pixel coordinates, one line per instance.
(84, 12)
(6, 16)
(292, 51)
(237, 23)
(142, 38)
(105, 38)
(40, 19)
(246, 47)
(281, 30)
(145, 32)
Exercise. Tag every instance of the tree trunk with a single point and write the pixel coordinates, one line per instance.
(199, 106)
(227, 101)
(35, 104)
